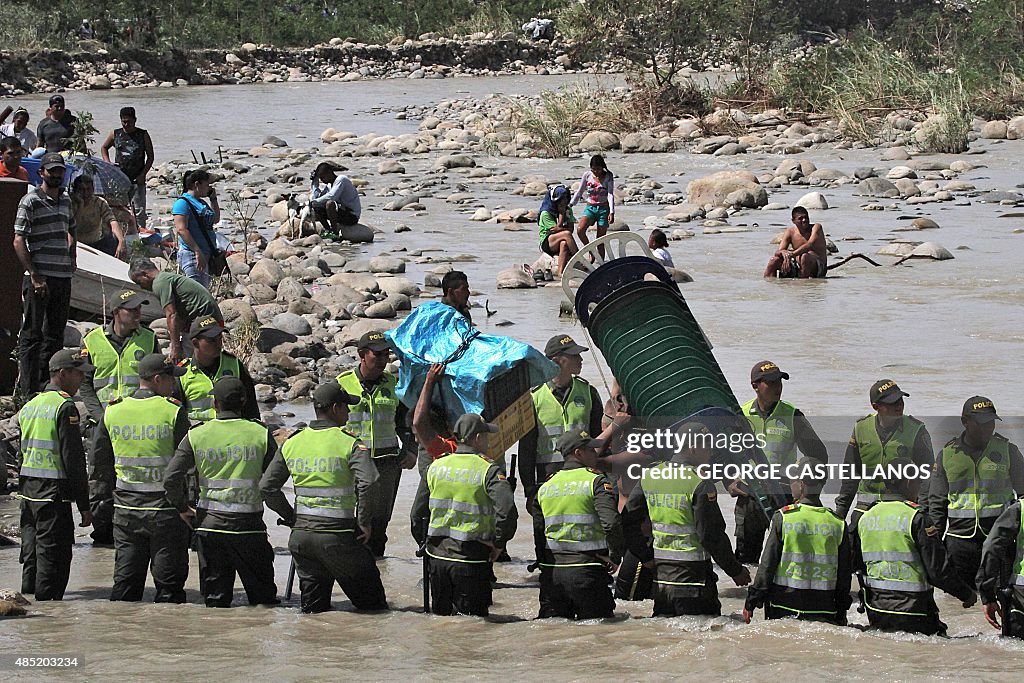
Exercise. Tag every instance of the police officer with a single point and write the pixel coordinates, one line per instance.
(380, 421)
(786, 433)
(134, 445)
(335, 495)
(899, 557)
(805, 567)
(52, 476)
(582, 533)
(878, 439)
(114, 351)
(1001, 574)
(977, 475)
(463, 521)
(687, 528)
(229, 454)
(563, 404)
(210, 362)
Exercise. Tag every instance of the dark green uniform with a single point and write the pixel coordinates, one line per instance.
(336, 491)
(114, 374)
(964, 505)
(579, 510)
(805, 567)
(901, 561)
(52, 476)
(1002, 565)
(230, 455)
(688, 532)
(148, 533)
(467, 503)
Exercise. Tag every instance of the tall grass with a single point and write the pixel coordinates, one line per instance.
(560, 119)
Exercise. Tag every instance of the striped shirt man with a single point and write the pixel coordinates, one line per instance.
(48, 227)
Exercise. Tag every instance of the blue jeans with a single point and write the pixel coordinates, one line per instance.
(190, 267)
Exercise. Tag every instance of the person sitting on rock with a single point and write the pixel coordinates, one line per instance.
(556, 223)
(658, 242)
(336, 202)
(802, 252)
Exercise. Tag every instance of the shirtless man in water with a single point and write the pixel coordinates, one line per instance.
(802, 252)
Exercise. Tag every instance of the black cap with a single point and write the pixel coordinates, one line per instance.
(70, 358)
(52, 160)
(563, 344)
(886, 391)
(374, 341)
(229, 393)
(471, 424)
(130, 298)
(159, 364)
(54, 99)
(980, 409)
(767, 371)
(207, 326)
(331, 394)
(576, 438)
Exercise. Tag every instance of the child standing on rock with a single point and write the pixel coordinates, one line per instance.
(599, 186)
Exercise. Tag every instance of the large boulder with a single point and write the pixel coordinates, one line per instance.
(599, 141)
(715, 189)
(381, 309)
(994, 130)
(236, 311)
(290, 289)
(516, 277)
(338, 296)
(455, 161)
(398, 285)
(931, 250)
(387, 264)
(1015, 128)
(813, 200)
(357, 233)
(292, 324)
(359, 281)
(877, 187)
(266, 272)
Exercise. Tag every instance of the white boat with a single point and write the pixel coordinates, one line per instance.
(98, 280)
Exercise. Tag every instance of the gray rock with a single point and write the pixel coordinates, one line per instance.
(877, 187)
(381, 309)
(292, 324)
(358, 233)
(515, 277)
(265, 393)
(599, 141)
(266, 272)
(390, 166)
(813, 200)
(931, 250)
(1015, 128)
(455, 161)
(994, 130)
(338, 296)
(291, 289)
(271, 337)
(387, 264)
(398, 285)
(236, 311)
(924, 224)
(359, 281)
(863, 172)
(260, 293)
(400, 302)
(274, 141)
(717, 188)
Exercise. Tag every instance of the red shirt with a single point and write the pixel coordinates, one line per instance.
(20, 174)
(440, 447)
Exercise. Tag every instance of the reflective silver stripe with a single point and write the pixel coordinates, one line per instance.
(890, 556)
(960, 513)
(335, 513)
(874, 497)
(460, 535)
(41, 444)
(41, 473)
(459, 506)
(201, 403)
(809, 557)
(316, 492)
(1018, 580)
(228, 483)
(100, 382)
(552, 431)
(388, 442)
(577, 545)
(157, 460)
(218, 506)
(549, 458)
(908, 586)
(572, 519)
(144, 487)
(960, 485)
(680, 555)
(677, 529)
(358, 417)
(806, 584)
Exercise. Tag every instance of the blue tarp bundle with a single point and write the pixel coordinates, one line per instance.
(436, 332)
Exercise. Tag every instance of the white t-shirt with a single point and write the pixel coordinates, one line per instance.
(27, 137)
(661, 253)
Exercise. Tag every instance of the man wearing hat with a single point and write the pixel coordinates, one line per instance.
(380, 421)
(208, 364)
(900, 556)
(976, 476)
(878, 439)
(1002, 569)
(336, 201)
(114, 351)
(582, 533)
(52, 476)
(335, 495)
(44, 240)
(18, 128)
(229, 455)
(134, 444)
(57, 127)
(805, 567)
(463, 519)
(787, 433)
(688, 530)
(182, 299)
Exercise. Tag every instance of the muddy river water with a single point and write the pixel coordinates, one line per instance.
(943, 330)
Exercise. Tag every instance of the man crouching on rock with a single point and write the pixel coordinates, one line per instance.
(336, 201)
(802, 252)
